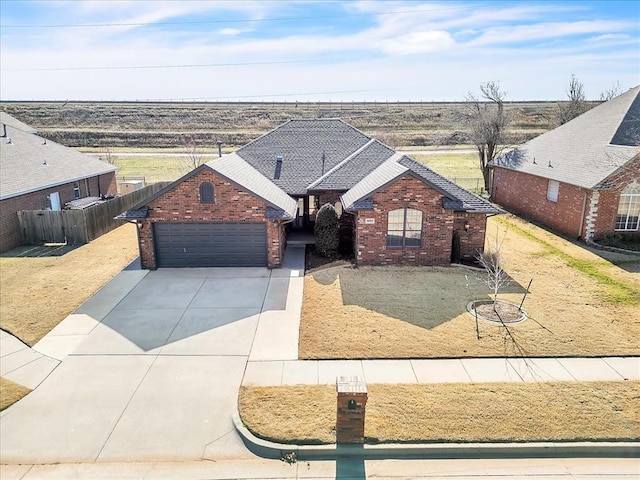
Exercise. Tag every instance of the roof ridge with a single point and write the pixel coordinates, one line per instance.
(342, 163)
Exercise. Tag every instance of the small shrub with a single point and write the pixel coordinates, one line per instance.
(327, 231)
(627, 241)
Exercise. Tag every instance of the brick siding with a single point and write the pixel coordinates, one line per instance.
(10, 235)
(232, 204)
(438, 225)
(574, 211)
(526, 194)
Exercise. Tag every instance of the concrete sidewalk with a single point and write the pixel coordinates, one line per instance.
(464, 370)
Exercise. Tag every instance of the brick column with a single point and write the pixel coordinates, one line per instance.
(352, 400)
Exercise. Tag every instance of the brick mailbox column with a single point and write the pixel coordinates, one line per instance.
(352, 400)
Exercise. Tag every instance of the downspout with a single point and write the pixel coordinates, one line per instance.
(584, 209)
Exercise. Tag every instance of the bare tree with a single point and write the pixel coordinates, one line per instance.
(195, 156)
(108, 156)
(495, 276)
(577, 102)
(610, 93)
(486, 121)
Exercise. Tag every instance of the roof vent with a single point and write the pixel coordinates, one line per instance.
(534, 161)
(550, 166)
(9, 142)
(4, 130)
(276, 174)
(45, 162)
(45, 142)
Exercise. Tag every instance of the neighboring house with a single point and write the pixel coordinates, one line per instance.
(237, 209)
(38, 174)
(581, 179)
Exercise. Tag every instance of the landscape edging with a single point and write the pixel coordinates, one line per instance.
(273, 450)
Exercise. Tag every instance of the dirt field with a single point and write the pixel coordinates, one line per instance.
(580, 303)
(497, 412)
(138, 124)
(38, 293)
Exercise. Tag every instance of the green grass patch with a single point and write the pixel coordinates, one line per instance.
(461, 168)
(617, 291)
(153, 169)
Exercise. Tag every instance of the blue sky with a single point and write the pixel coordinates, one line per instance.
(314, 51)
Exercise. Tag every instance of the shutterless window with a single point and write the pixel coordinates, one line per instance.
(76, 190)
(404, 228)
(206, 193)
(629, 209)
(552, 190)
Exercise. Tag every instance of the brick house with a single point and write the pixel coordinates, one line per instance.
(38, 174)
(581, 179)
(237, 209)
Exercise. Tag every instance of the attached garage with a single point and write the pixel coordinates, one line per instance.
(211, 244)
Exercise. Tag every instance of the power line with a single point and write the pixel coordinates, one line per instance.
(151, 67)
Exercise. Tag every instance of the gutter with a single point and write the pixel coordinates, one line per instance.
(584, 209)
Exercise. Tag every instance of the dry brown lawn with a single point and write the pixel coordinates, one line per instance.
(428, 413)
(10, 393)
(581, 303)
(38, 293)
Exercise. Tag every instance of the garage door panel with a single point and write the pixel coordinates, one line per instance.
(210, 244)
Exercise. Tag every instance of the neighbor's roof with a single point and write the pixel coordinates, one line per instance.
(309, 148)
(7, 119)
(455, 197)
(30, 163)
(586, 150)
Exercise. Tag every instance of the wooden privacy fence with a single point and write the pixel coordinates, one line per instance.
(75, 227)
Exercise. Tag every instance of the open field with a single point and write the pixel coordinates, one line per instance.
(499, 412)
(580, 304)
(38, 293)
(137, 124)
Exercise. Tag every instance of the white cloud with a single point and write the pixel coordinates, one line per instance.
(418, 42)
(231, 31)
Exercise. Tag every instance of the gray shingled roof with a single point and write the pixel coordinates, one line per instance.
(309, 148)
(353, 169)
(456, 198)
(236, 170)
(28, 164)
(586, 150)
(7, 119)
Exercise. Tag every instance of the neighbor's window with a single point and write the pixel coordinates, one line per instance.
(76, 190)
(552, 190)
(206, 193)
(629, 208)
(404, 228)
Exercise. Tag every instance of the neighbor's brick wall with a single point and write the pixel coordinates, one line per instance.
(437, 226)
(10, 235)
(610, 199)
(232, 204)
(527, 195)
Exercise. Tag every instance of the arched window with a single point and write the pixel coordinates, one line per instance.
(404, 228)
(629, 208)
(206, 193)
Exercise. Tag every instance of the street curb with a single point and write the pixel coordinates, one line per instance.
(267, 449)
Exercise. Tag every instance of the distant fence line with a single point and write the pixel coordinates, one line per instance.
(76, 227)
(473, 184)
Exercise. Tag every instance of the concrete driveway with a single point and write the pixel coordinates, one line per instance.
(154, 364)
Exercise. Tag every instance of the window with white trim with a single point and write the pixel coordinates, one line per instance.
(629, 209)
(76, 190)
(552, 190)
(404, 228)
